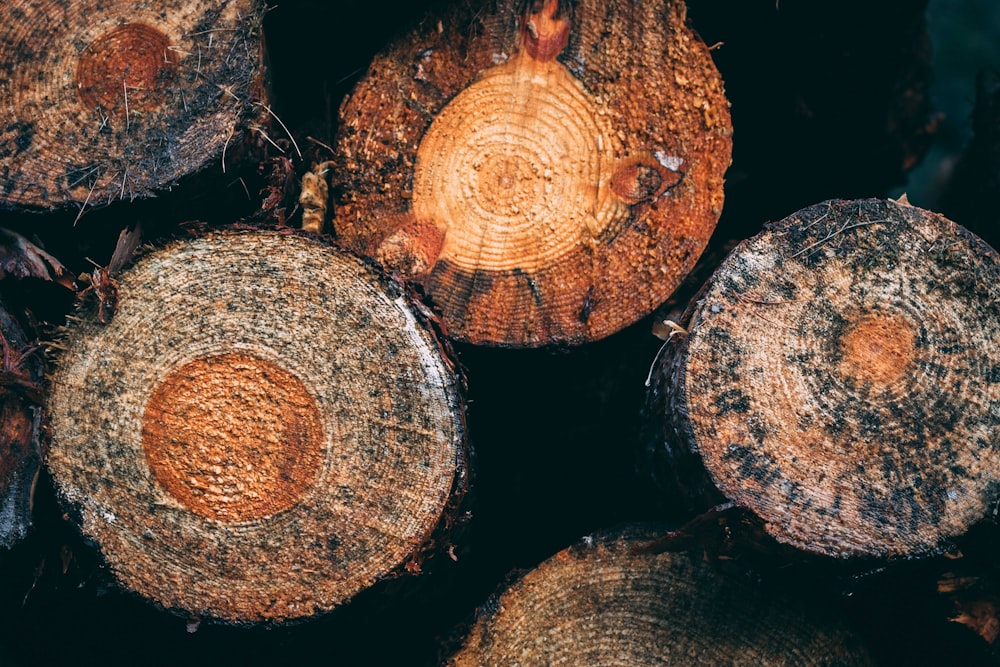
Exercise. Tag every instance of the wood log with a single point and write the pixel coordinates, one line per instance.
(265, 428)
(20, 420)
(607, 601)
(114, 101)
(548, 172)
(839, 378)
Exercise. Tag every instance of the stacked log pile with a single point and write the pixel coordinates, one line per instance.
(536, 296)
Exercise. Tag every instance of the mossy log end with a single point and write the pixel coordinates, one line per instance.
(108, 101)
(548, 172)
(609, 601)
(840, 379)
(265, 428)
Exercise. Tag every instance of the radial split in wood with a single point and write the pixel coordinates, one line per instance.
(608, 601)
(547, 177)
(840, 378)
(264, 429)
(108, 101)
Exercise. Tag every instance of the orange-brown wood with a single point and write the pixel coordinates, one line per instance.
(265, 428)
(108, 101)
(547, 175)
(233, 437)
(839, 377)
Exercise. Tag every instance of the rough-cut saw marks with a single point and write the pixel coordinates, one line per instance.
(519, 153)
(845, 411)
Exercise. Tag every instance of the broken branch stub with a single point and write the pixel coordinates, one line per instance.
(264, 429)
(545, 175)
(840, 379)
(115, 101)
(610, 601)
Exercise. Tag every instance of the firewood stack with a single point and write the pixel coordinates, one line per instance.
(326, 348)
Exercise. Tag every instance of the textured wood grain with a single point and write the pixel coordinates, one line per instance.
(264, 429)
(548, 173)
(106, 101)
(840, 378)
(607, 601)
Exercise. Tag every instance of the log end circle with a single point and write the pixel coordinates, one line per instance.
(107, 102)
(609, 601)
(265, 428)
(840, 379)
(569, 171)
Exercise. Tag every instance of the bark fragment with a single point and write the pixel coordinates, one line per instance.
(21, 371)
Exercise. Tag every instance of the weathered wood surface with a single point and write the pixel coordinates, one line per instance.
(265, 428)
(108, 101)
(547, 172)
(609, 601)
(840, 378)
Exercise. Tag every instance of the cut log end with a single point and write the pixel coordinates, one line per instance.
(251, 423)
(573, 185)
(120, 103)
(134, 57)
(840, 378)
(264, 429)
(608, 601)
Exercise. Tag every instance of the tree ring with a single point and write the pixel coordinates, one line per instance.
(233, 437)
(264, 429)
(127, 67)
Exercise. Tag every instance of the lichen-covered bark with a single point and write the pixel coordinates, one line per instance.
(547, 172)
(840, 378)
(265, 428)
(114, 101)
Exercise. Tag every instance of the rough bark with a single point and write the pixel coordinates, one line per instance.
(265, 428)
(548, 172)
(20, 395)
(840, 379)
(114, 101)
(608, 601)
